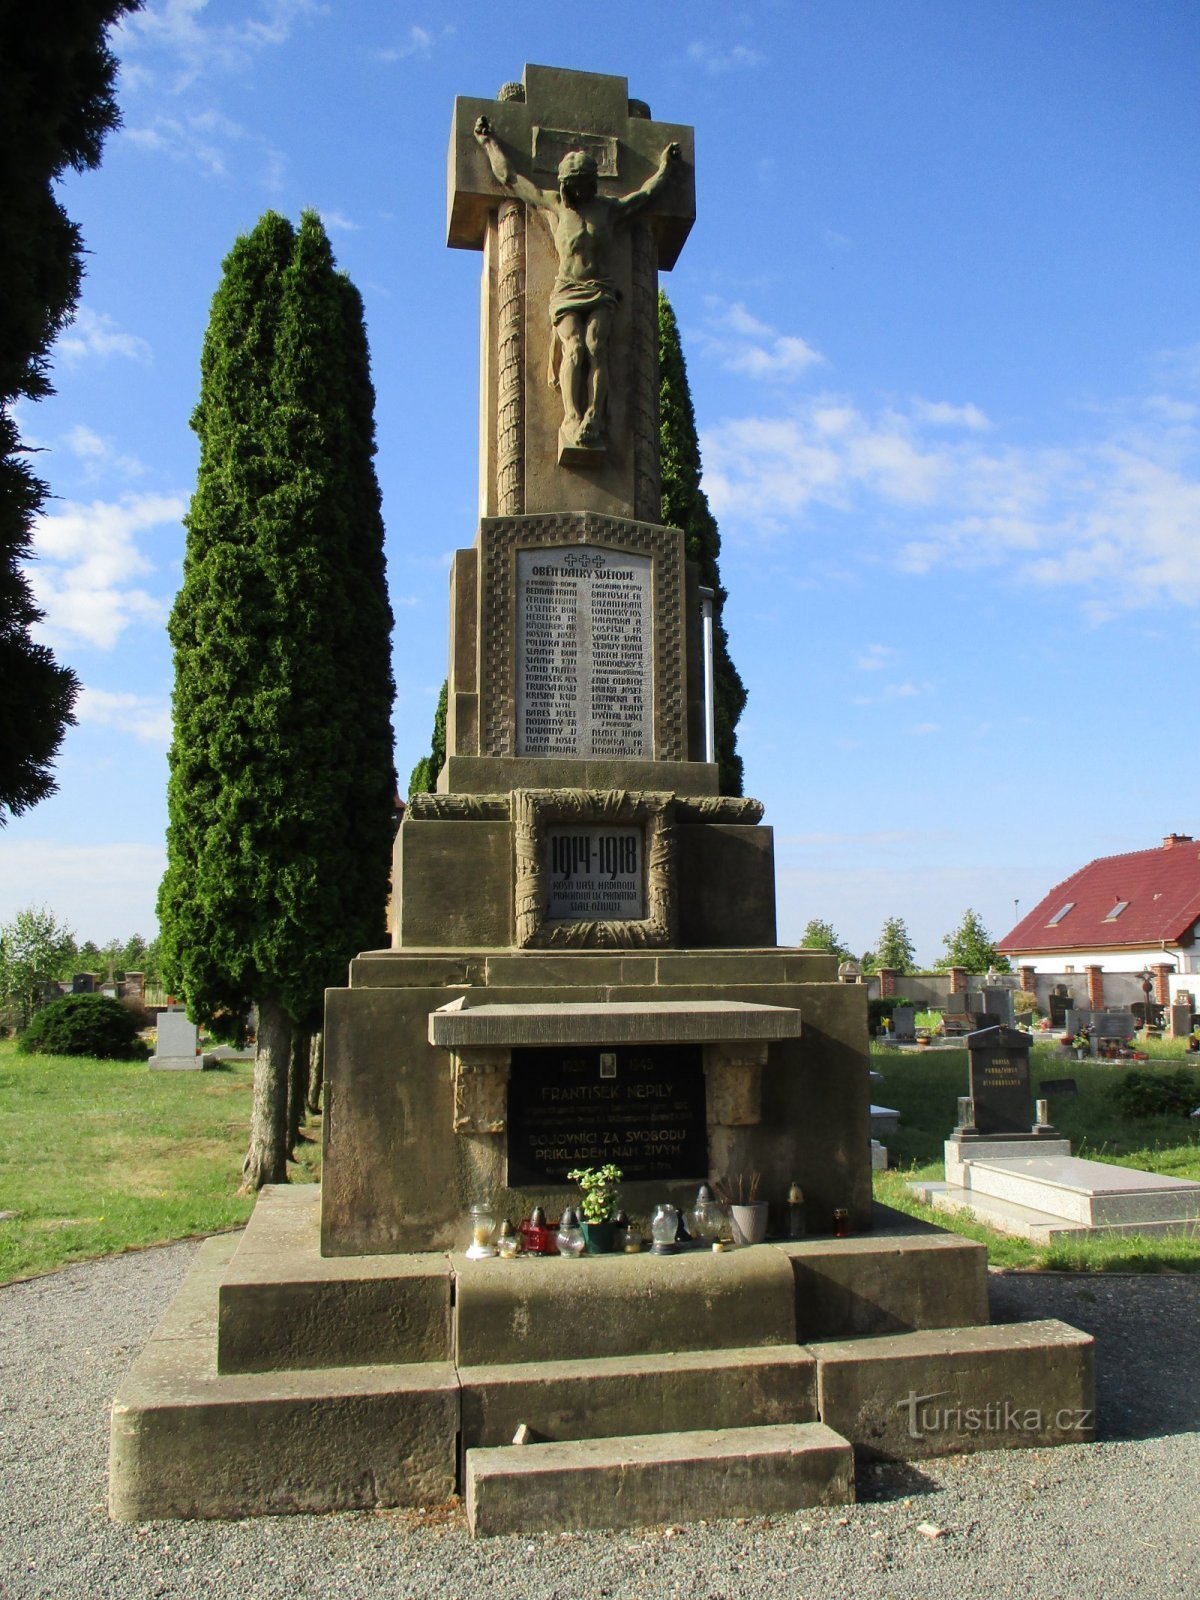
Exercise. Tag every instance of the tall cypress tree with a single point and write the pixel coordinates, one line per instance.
(685, 505)
(56, 106)
(281, 788)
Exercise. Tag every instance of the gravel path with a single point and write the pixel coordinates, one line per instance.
(1121, 1516)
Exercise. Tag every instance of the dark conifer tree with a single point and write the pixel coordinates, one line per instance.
(282, 784)
(56, 106)
(424, 777)
(685, 505)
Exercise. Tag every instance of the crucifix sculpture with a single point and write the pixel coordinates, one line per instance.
(572, 305)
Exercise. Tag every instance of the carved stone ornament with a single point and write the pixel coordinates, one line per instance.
(480, 1077)
(734, 1073)
(536, 810)
(458, 807)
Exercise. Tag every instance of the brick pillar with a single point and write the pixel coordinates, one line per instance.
(958, 980)
(1028, 979)
(1095, 983)
(887, 982)
(1162, 988)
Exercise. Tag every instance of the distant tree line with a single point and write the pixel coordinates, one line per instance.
(36, 950)
(969, 946)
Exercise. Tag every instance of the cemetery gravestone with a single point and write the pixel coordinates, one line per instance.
(176, 1050)
(999, 1078)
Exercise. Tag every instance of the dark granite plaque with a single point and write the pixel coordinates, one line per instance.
(639, 1106)
(999, 1066)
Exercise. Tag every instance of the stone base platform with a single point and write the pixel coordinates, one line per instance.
(653, 1388)
(1052, 1194)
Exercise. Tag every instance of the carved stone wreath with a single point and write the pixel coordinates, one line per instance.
(536, 810)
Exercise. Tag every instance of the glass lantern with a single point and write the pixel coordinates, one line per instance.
(664, 1225)
(570, 1235)
(508, 1246)
(483, 1232)
(704, 1219)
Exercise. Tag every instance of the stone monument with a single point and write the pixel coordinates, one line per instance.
(583, 970)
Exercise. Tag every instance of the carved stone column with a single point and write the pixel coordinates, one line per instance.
(510, 360)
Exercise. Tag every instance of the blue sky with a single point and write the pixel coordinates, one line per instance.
(940, 314)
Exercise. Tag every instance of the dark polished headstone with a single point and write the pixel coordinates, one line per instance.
(641, 1107)
(1000, 1089)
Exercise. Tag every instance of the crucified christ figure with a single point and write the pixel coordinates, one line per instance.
(583, 223)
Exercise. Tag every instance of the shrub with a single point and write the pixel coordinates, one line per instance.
(1157, 1094)
(1024, 1003)
(84, 1025)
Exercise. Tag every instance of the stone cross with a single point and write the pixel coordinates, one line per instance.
(548, 441)
(560, 111)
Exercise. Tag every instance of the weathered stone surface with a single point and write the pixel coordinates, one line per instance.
(880, 1283)
(452, 884)
(621, 1022)
(285, 1306)
(540, 1309)
(726, 885)
(674, 1477)
(1016, 1386)
(491, 774)
(188, 1443)
(607, 1395)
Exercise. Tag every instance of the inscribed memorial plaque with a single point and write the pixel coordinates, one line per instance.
(597, 873)
(641, 1107)
(585, 678)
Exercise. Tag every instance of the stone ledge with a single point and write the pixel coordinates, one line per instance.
(1019, 1385)
(284, 1306)
(614, 1022)
(537, 1310)
(673, 1477)
(606, 1396)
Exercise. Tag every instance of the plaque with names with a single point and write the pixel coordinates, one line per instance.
(999, 1073)
(638, 1106)
(597, 873)
(584, 653)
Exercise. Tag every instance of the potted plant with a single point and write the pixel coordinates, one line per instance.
(747, 1213)
(600, 1187)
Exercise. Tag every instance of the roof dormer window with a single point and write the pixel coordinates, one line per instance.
(1116, 911)
(1060, 914)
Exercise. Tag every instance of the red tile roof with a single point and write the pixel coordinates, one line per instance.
(1161, 888)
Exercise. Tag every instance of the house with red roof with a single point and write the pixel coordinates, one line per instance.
(1117, 924)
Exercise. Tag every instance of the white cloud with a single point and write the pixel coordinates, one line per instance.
(181, 32)
(942, 414)
(418, 42)
(1114, 518)
(875, 657)
(98, 456)
(717, 59)
(337, 222)
(95, 333)
(205, 140)
(742, 343)
(143, 716)
(87, 563)
(103, 890)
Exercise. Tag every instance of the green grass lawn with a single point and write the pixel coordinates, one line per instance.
(97, 1157)
(924, 1087)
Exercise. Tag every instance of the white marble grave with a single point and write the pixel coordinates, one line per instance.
(178, 1045)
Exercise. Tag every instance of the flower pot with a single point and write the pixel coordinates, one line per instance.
(749, 1223)
(599, 1236)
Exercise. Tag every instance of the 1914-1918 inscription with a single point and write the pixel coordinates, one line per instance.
(585, 682)
(641, 1107)
(596, 873)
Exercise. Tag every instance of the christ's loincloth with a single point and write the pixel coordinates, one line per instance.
(572, 296)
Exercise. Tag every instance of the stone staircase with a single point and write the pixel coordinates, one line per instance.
(650, 1389)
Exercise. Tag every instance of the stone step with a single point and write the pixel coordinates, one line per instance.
(187, 1441)
(1018, 1385)
(1087, 1193)
(534, 1310)
(648, 1478)
(608, 1395)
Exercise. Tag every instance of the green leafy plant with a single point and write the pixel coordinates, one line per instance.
(84, 1025)
(601, 1191)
